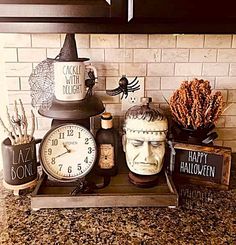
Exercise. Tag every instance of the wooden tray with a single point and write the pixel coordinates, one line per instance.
(119, 193)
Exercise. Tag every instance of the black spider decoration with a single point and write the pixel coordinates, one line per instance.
(90, 82)
(124, 87)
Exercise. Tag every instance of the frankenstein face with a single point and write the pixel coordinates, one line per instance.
(144, 145)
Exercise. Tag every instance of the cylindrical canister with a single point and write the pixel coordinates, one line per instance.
(19, 164)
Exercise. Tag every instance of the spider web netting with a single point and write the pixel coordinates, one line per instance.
(42, 86)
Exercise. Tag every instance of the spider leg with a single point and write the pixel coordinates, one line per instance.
(122, 95)
(133, 85)
(134, 89)
(114, 92)
(126, 95)
(133, 81)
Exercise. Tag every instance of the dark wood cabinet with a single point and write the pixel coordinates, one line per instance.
(120, 16)
(59, 15)
(183, 11)
(185, 16)
(55, 10)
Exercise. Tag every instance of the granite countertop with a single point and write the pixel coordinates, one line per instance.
(206, 216)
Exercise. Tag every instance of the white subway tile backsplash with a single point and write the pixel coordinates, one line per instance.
(112, 82)
(190, 41)
(46, 40)
(52, 52)
(232, 95)
(16, 40)
(118, 55)
(104, 41)
(161, 62)
(132, 69)
(202, 55)
(171, 82)
(160, 69)
(218, 41)
(106, 98)
(95, 55)
(82, 40)
(188, 69)
(234, 41)
(175, 55)
(225, 83)
(232, 69)
(31, 54)
(147, 55)
(226, 133)
(18, 69)
(162, 41)
(229, 109)
(230, 121)
(100, 85)
(226, 55)
(107, 69)
(13, 83)
(133, 41)
(159, 96)
(24, 83)
(215, 69)
(114, 109)
(152, 83)
(10, 54)
(43, 123)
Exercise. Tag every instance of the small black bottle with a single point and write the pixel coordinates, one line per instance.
(107, 139)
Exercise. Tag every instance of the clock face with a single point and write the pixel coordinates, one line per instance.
(68, 152)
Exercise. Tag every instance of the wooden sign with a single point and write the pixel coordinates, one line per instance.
(203, 165)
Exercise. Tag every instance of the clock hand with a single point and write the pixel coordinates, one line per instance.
(64, 145)
(61, 154)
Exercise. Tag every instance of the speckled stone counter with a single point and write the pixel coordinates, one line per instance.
(205, 216)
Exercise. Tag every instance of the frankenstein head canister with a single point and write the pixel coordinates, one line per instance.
(144, 141)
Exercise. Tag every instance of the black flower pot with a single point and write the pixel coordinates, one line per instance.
(199, 136)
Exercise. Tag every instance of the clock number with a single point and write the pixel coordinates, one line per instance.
(89, 150)
(53, 160)
(61, 135)
(79, 135)
(54, 142)
(79, 166)
(49, 151)
(70, 169)
(60, 167)
(86, 160)
(86, 141)
(70, 132)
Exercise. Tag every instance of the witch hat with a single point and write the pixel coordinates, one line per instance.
(78, 109)
(68, 51)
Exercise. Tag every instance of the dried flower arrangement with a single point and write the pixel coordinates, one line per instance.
(194, 106)
(18, 126)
